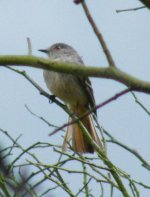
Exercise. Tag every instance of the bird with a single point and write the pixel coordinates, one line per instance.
(77, 93)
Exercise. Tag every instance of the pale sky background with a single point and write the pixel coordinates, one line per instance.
(47, 22)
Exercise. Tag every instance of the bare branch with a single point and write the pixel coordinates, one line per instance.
(134, 152)
(140, 104)
(41, 118)
(40, 89)
(29, 46)
(109, 72)
(76, 119)
(98, 34)
(130, 9)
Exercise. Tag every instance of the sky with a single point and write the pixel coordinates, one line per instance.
(50, 21)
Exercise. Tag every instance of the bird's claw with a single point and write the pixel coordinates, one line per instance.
(52, 98)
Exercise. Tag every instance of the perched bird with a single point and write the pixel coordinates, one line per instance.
(76, 92)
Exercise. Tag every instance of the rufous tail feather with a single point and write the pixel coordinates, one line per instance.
(79, 141)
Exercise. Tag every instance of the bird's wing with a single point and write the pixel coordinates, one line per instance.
(86, 85)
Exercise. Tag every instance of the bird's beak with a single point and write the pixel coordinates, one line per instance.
(43, 50)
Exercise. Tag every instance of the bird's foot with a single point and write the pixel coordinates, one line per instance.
(52, 98)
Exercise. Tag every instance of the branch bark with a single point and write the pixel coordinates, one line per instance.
(116, 74)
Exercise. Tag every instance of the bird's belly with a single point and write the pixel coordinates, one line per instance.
(65, 87)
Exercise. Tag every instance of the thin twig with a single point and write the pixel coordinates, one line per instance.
(40, 89)
(37, 160)
(131, 9)
(48, 190)
(112, 168)
(84, 186)
(134, 152)
(85, 181)
(140, 104)
(29, 46)
(40, 117)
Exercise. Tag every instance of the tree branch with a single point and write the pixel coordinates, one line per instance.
(132, 151)
(40, 89)
(146, 3)
(104, 72)
(76, 119)
(98, 34)
(131, 9)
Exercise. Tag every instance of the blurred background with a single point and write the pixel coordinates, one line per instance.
(50, 21)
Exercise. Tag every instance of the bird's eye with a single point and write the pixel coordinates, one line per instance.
(57, 47)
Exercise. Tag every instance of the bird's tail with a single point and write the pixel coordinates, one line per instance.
(79, 141)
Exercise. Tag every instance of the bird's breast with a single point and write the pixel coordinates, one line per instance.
(66, 87)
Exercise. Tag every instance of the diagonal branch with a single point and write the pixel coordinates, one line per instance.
(76, 119)
(40, 89)
(134, 152)
(98, 34)
(131, 9)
